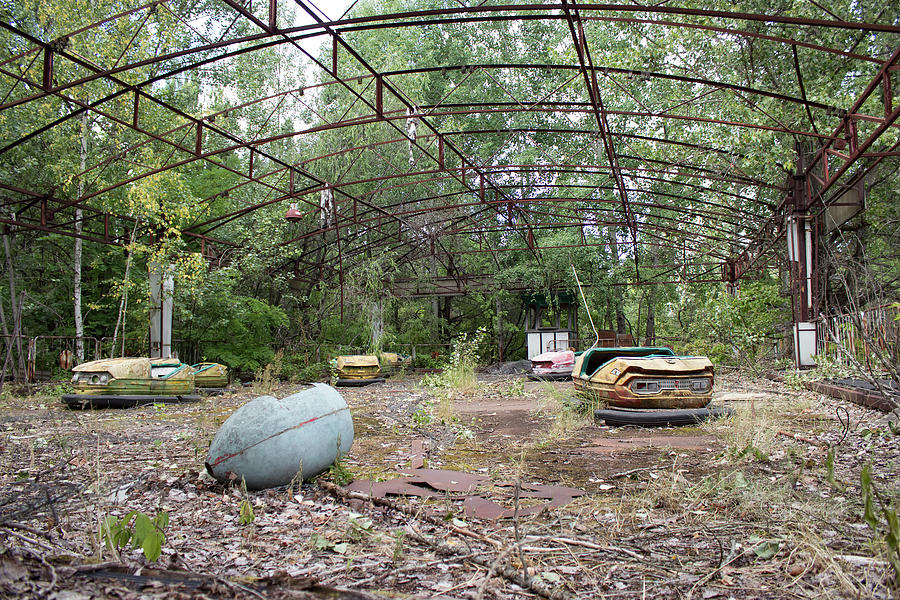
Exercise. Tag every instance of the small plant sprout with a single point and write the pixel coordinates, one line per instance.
(139, 530)
(880, 513)
(339, 472)
(246, 516)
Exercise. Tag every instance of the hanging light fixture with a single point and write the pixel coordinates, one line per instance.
(293, 213)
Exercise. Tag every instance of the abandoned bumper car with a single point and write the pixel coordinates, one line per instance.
(647, 385)
(357, 370)
(552, 366)
(210, 377)
(363, 369)
(127, 382)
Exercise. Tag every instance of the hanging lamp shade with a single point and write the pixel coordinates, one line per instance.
(293, 214)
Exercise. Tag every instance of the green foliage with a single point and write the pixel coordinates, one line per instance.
(399, 550)
(514, 388)
(750, 450)
(739, 329)
(320, 542)
(423, 416)
(339, 473)
(246, 516)
(880, 513)
(266, 378)
(829, 471)
(239, 331)
(249, 303)
(298, 367)
(764, 548)
(139, 530)
(360, 527)
(459, 372)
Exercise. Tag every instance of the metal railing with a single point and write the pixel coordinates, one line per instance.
(858, 335)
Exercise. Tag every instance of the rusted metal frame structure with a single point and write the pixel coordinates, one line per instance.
(582, 49)
(263, 204)
(378, 107)
(85, 107)
(313, 159)
(562, 167)
(384, 85)
(353, 24)
(662, 242)
(794, 197)
(192, 122)
(399, 208)
(628, 9)
(815, 188)
(49, 205)
(807, 107)
(493, 226)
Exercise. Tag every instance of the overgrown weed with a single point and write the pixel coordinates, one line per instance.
(567, 411)
(459, 373)
(266, 379)
(751, 430)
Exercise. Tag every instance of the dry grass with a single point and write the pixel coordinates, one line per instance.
(744, 513)
(567, 412)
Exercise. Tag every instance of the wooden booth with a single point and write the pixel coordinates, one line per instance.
(551, 321)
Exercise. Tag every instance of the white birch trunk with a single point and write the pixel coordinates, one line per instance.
(76, 259)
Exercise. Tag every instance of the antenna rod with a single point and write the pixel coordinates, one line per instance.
(586, 309)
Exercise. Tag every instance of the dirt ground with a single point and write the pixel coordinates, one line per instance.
(765, 504)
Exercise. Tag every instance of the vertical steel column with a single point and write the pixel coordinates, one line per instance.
(801, 258)
(273, 16)
(47, 75)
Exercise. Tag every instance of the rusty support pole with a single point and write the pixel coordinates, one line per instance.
(334, 55)
(47, 82)
(337, 232)
(379, 96)
(273, 16)
(852, 136)
(198, 142)
(134, 116)
(441, 153)
(888, 94)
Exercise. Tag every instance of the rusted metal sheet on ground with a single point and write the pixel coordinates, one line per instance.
(418, 454)
(437, 483)
(393, 487)
(444, 480)
(551, 492)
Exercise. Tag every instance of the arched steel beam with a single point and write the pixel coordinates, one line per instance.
(393, 207)
(532, 12)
